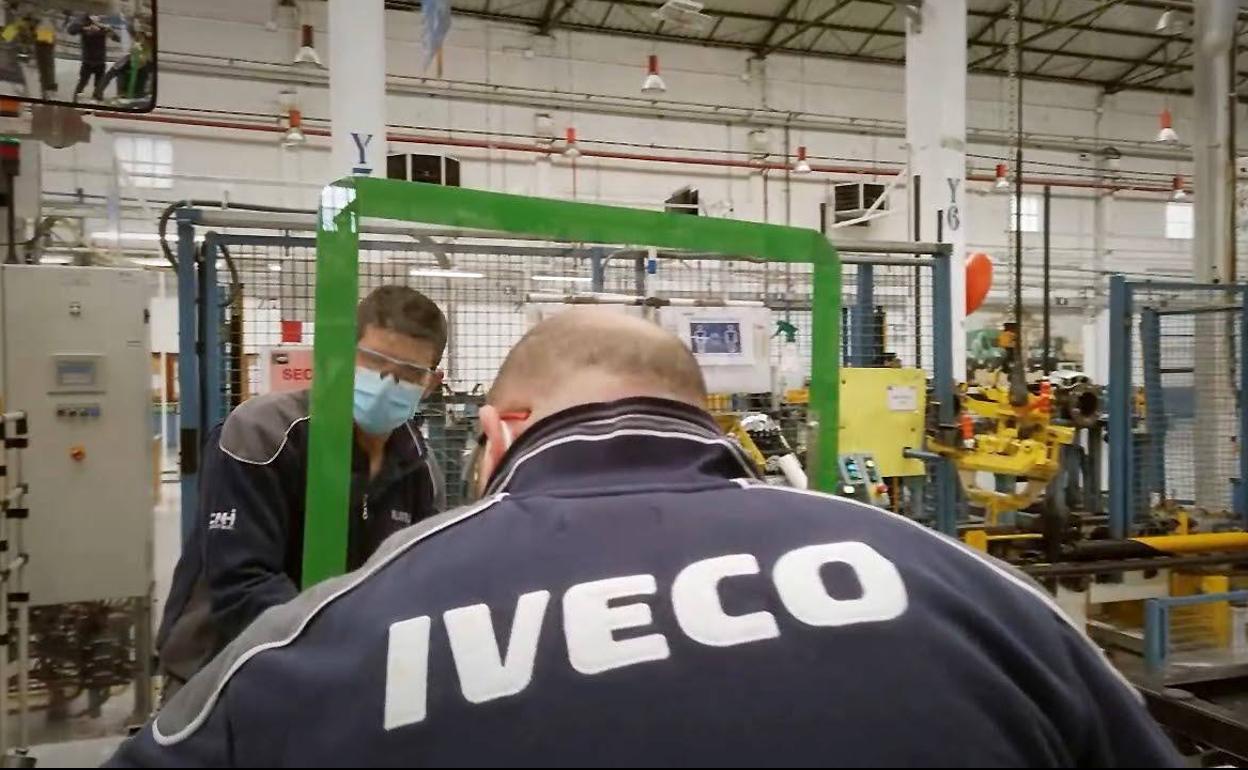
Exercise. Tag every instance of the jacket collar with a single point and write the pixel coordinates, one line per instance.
(404, 450)
(626, 443)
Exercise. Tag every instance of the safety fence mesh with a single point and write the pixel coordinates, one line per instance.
(1186, 375)
(492, 289)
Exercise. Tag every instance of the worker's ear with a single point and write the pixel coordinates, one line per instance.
(435, 383)
(497, 439)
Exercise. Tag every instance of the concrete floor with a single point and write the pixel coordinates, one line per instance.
(87, 742)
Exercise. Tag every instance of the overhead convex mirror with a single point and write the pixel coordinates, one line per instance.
(89, 54)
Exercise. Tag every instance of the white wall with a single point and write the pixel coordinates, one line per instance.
(206, 47)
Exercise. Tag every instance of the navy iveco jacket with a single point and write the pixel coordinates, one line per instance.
(629, 594)
(246, 552)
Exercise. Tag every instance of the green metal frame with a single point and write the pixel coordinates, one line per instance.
(345, 202)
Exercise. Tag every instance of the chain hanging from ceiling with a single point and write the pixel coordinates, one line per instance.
(1015, 129)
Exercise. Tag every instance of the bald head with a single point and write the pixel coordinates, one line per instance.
(587, 355)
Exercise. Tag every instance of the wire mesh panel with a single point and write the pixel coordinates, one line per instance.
(492, 289)
(887, 315)
(1195, 632)
(1186, 401)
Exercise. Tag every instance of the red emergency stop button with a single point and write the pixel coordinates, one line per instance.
(78, 453)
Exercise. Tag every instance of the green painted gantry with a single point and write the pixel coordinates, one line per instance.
(347, 201)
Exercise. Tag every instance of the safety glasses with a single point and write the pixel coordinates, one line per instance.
(403, 371)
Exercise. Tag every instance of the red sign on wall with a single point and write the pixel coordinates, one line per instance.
(290, 369)
(292, 332)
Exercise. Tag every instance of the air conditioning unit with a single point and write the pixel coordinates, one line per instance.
(683, 201)
(851, 200)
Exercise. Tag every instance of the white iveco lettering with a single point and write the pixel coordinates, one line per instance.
(589, 624)
(407, 672)
(695, 598)
(594, 613)
(484, 674)
(797, 577)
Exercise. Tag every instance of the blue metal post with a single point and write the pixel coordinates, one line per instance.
(188, 373)
(1155, 415)
(213, 358)
(1241, 489)
(943, 386)
(864, 317)
(1155, 635)
(598, 269)
(1121, 393)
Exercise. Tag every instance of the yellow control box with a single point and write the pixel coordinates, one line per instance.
(883, 413)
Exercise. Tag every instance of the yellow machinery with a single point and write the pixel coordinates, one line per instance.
(883, 411)
(1002, 439)
(730, 424)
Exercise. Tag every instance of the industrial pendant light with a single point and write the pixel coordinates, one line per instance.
(654, 82)
(801, 165)
(1003, 177)
(294, 131)
(1167, 133)
(307, 56)
(1179, 194)
(570, 150)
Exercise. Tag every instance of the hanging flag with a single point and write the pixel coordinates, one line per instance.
(437, 15)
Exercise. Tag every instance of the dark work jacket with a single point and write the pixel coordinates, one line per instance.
(628, 594)
(245, 553)
(94, 40)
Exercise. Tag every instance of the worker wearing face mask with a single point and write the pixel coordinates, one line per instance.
(245, 554)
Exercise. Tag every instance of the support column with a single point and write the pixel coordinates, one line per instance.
(357, 87)
(1214, 144)
(1214, 249)
(936, 135)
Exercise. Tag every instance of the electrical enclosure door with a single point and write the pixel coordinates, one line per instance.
(77, 360)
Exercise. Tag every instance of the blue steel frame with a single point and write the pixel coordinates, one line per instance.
(862, 331)
(943, 385)
(191, 418)
(1122, 471)
(200, 355)
(863, 319)
(1157, 623)
(1154, 471)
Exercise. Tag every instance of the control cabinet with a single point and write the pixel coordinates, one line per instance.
(76, 359)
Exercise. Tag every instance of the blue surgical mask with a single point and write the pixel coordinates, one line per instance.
(383, 403)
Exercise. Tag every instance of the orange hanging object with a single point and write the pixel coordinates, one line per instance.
(968, 427)
(978, 280)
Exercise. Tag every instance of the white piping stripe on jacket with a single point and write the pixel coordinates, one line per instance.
(984, 559)
(280, 447)
(243, 658)
(420, 450)
(502, 484)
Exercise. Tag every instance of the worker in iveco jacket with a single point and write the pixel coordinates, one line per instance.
(627, 592)
(245, 554)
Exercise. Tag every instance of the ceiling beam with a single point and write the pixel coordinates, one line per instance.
(875, 30)
(1092, 14)
(1070, 39)
(1161, 71)
(995, 17)
(1116, 83)
(861, 59)
(992, 16)
(801, 29)
(775, 25)
(552, 15)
